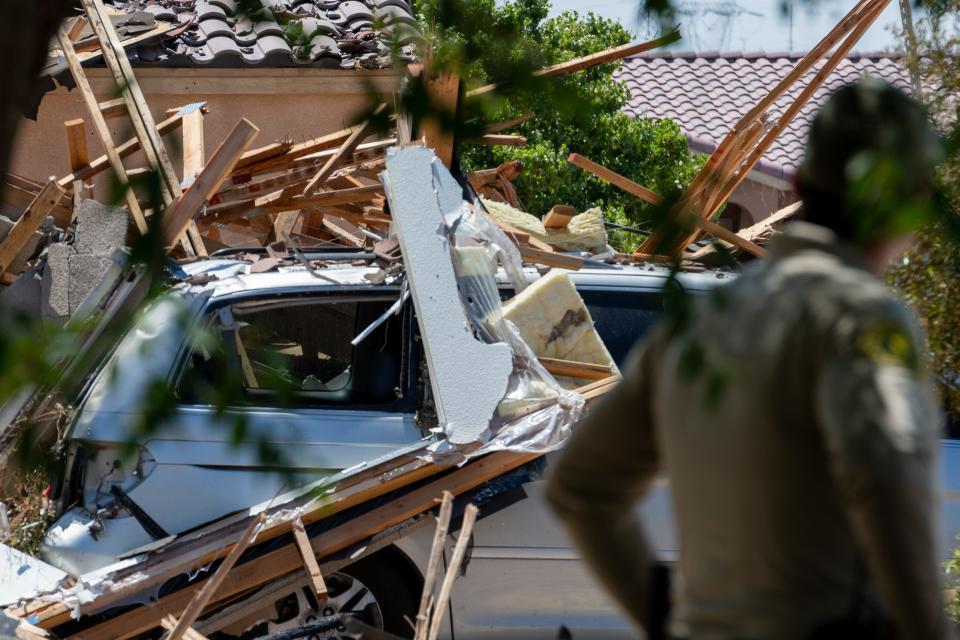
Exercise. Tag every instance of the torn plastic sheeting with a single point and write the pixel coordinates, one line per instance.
(536, 413)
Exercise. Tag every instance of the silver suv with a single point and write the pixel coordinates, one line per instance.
(280, 344)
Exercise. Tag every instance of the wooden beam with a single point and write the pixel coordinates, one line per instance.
(344, 230)
(28, 222)
(76, 27)
(492, 140)
(443, 91)
(103, 132)
(456, 559)
(592, 60)
(572, 369)
(309, 560)
(169, 623)
(78, 154)
(184, 208)
(559, 216)
(433, 566)
(278, 154)
(128, 148)
(497, 127)
(340, 196)
(283, 224)
(559, 260)
(274, 564)
(615, 179)
(209, 590)
(116, 108)
(193, 162)
(345, 151)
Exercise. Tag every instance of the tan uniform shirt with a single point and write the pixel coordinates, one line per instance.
(793, 416)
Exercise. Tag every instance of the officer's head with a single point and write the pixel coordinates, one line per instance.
(868, 173)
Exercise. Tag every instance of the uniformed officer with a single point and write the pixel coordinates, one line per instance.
(793, 415)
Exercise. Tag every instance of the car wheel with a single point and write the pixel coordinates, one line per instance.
(373, 590)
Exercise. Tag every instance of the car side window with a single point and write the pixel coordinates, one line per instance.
(622, 317)
(300, 351)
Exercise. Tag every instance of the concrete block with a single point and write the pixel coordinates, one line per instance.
(28, 249)
(55, 284)
(101, 228)
(86, 272)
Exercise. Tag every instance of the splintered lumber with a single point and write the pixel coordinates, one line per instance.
(278, 154)
(551, 259)
(309, 560)
(340, 196)
(116, 108)
(452, 571)
(169, 623)
(571, 369)
(279, 562)
(78, 154)
(615, 179)
(184, 208)
(193, 161)
(202, 599)
(559, 216)
(443, 91)
(28, 222)
(345, 230)
(345, 151)
(497, 127)
(492, 140)
(103, 132)
(596, 389)
(744, 156)
(128, 148)
(433, 566)
(592, 60)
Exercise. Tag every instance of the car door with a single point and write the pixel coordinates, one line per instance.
(524, 579)
(302, 401)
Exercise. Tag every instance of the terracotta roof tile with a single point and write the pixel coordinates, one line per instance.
(217, 36)
(707, 93)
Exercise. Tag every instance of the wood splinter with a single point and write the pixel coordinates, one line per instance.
(309, 560)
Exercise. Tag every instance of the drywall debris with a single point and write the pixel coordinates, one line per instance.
(422, 194)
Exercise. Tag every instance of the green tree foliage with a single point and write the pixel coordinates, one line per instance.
(929, 272)
(577, 113)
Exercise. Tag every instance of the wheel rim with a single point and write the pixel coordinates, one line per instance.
(345, 595)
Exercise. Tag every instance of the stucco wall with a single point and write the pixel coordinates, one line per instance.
(759, 200)
(286, 104)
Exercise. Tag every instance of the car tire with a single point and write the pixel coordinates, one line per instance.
(392, 587)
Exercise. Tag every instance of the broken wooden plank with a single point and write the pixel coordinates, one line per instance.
(452, 571)
(309, 560)
(28, 222)
(551, 259)
(344, 230)
(184, 208)
(503, 125)
(572, 369)
(193, 162)
(102, 130)
(492, 140)
(433, 566)
(443, 91)
(592, 60)
(274, 564)
(559, 216)
(116, 108)
(209, 590)
(78, 155)
(343, 152)
(340, 196)
(128, 148)
(275, 155)
(169, 623)
(615, 179)
(18, 194)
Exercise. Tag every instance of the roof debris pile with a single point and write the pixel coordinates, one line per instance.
(369, 198)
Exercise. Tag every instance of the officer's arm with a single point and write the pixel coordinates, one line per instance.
(880, 423)
(604, 469)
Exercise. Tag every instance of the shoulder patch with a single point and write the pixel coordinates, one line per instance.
(887, 343)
